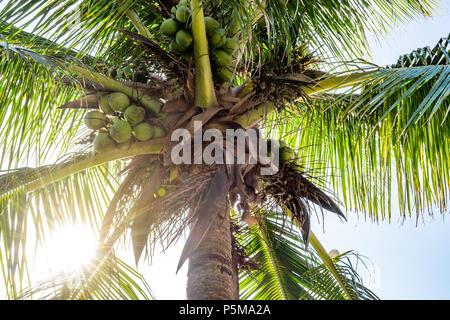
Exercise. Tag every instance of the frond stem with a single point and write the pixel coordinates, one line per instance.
(328, 262)
(137, 23)
(149, 147)
(205, 95)
(250, 118)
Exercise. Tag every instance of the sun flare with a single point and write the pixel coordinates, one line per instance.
(70, 248)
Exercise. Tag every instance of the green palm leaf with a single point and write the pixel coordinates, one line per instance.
(88, 26)
(107, 279)
(390, 135)
(79, 198)
(287, 270)
(31, 127)
(335, 28)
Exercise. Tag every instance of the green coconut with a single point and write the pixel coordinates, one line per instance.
(183, 39)
(183, 3)
(118, 101)
(161, 192)
(95, 120)
(230, 45)
(104, 105)
(169, 27)
(103, 142)
(286, 153)
(221, 58)
(186, 57)
(120, 131)
(144, 131)
(173, 46)
(225, 74)
(112, 73)
(134, 114)
(211, 25)
(183, 13)
(159, 132)
(218, 38)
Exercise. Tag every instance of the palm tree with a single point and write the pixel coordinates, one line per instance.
(279, 66)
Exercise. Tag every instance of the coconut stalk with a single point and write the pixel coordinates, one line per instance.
(148, 147)
(250, 118)
(151, 103)
(328, 262)
(205, 95)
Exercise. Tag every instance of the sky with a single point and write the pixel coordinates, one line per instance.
(405, 260)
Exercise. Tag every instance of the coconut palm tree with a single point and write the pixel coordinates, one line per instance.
(137, 70)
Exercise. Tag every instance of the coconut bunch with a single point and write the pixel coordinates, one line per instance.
(292, 189)
(118, 121)
(222, 45)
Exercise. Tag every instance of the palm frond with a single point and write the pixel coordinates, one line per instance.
(287, 270)
(107, 279)
(31, 126)
(87, 26)
(390, 133)
(335, 28)
(81, 197)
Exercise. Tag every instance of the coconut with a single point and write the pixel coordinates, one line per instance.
(183, 3)
(230, 45)
(218, 38)
(120, 131)
(134, 114)
(118, 101)
(95, 120)
(169, 27)
(159, 132)
(221, 58)
(186, 57)
(286, 154)
(183, 39)
(173, 46)
(103, 142)
(333, 253)
(183, 13)
(161, 192)
(144, 131)
(211, 25)
(112, 73)
(225, 74)
(104, 105)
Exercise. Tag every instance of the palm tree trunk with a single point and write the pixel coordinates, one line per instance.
(210, 272)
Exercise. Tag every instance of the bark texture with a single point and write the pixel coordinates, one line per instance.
(210, 272)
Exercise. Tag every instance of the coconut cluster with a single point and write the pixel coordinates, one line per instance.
(221, 45)
(119, 121)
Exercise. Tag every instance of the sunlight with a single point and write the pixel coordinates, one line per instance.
(69, 248)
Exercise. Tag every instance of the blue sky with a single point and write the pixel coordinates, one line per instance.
(407, 261)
